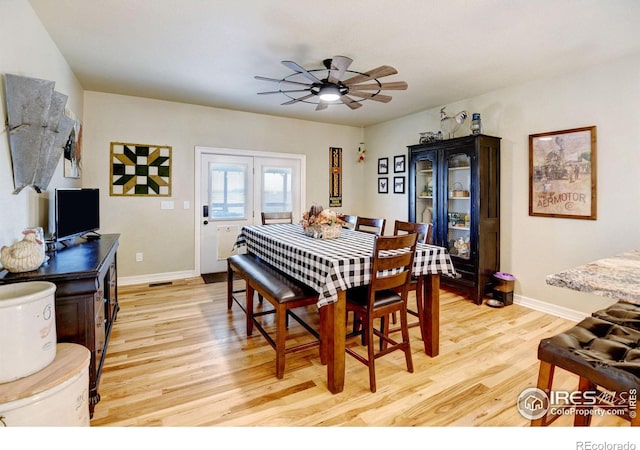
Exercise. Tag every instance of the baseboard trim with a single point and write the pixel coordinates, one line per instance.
(156, 278)
(550, 308)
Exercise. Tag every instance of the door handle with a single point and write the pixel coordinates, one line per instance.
(205, 211)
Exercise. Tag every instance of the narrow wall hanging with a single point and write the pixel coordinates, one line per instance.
(138, 169)
(335, 177)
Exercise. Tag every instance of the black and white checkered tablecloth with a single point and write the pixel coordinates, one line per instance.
(330, 265)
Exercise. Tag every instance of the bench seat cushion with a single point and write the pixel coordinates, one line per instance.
(605, 353)
(621, 313)
(269, 281)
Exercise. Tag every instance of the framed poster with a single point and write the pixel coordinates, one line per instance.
(398, 185)
(562, 174)
(383, 185)
(140, 170)
(383, 165)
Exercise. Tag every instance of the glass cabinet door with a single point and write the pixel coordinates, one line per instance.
(425, 189)
(459, 205)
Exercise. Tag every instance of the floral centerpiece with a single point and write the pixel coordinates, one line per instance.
(321, 223)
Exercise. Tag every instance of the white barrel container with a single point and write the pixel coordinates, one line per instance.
(27, 328)
(56, 396)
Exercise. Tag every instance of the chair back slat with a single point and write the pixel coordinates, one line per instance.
(423, 230)
(371, 225)
(269, 218)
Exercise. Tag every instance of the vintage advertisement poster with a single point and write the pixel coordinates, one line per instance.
(335, 177)
(562, 174)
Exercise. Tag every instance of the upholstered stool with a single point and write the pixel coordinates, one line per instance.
(621, 313)
(601, 353)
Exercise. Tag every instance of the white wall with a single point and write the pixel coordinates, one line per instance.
(607, 96)
(166, 237)
(27, 50)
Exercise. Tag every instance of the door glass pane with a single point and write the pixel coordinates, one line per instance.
(277, 189)
(459, 205)
(227, 191)
(425, 185)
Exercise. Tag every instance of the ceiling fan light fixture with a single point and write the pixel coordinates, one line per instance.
(329, 93)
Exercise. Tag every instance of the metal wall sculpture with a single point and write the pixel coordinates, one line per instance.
(38, 130)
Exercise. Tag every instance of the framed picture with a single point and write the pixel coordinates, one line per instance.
(140, 170)
(398, 185)
(398, 163)
(562, 174)
(383, 165)
(383, 185)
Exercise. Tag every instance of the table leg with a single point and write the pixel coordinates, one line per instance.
(333, 332)
(431, 311)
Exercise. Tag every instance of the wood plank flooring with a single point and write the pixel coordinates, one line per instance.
(178, 357)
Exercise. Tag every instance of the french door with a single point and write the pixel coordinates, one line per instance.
(234, 188)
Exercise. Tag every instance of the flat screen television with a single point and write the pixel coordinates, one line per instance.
(76, 212)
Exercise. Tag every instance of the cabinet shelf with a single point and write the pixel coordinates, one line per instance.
(425, 196)
(460, 198)
(460, 228)
(460, 168)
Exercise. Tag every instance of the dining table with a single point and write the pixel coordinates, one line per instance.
(331, 266)
(616, 277)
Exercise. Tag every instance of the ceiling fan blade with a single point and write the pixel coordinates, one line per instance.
(282, 92)
(339, 64)
(378, 72)
(280, 81)
(377, 97)
(296, 100)
(322, 105)
(392, 86)
(295, 67)
(351, 103)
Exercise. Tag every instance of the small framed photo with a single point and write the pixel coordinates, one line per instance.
(398, 164)
(398, 185)
(383, 185)
(383, 165)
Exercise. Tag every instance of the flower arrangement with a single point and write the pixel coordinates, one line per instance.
(321, 223)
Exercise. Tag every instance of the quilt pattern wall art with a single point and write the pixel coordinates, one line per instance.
(138, 169)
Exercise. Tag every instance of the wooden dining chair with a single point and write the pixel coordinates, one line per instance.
(349, 221)
(391, 270)
(269, 218)
(370, 225)
(423, 232)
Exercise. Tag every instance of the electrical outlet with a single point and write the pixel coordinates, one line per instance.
(138, 257)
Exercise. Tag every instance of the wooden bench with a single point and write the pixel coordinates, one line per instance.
(283, 292)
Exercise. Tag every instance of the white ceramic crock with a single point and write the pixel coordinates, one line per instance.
(27, 328)
(58, 395)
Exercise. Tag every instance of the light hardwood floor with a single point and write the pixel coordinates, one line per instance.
(178, 357)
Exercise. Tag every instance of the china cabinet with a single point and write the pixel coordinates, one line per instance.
(455, 185)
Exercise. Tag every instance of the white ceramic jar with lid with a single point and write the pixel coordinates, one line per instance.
(27, 328)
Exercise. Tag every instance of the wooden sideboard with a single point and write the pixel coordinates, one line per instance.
(85, 275)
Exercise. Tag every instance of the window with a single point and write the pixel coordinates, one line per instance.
(228, 191)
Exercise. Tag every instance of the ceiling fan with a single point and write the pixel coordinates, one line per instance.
(324, 87)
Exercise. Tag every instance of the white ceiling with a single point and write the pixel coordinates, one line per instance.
(207, 52)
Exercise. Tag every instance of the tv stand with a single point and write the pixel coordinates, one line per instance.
(86, 304)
